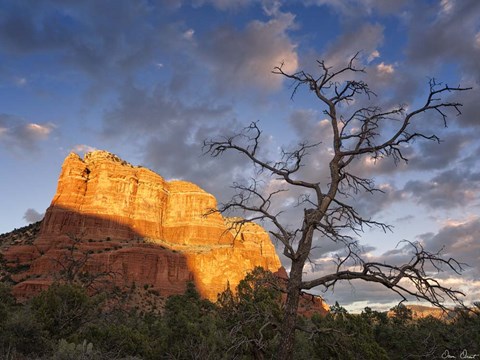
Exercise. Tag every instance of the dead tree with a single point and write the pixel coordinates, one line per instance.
(355, 133)
(73, 263)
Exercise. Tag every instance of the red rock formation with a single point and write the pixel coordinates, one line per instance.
(423, 311)
(130, 224)
(309, 304)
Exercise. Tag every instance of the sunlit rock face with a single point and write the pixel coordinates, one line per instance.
(122, 200)
(422, 311)
(133, 223)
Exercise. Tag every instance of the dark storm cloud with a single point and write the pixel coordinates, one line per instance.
(367, 39)
(449, 189)
(460, 241)
(385, 7)
(432, 155)
(21, 32)
(471, 107)
(169, 134)
(371, 205)
(139, 34)
(364, 39)
(113, 50)
(357, 8)
(176, 160)
(470, 160)
(225, 4)
(437, 31)
(169, 121)
(447, 31)
(395, 83)
(405, 219)
(106, 40)
(439, 34)
(32, 215)
(245, 59)
(139, 111)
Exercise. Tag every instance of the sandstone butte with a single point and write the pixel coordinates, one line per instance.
(128, 223)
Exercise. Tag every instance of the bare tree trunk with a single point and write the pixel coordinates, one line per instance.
(289, 323)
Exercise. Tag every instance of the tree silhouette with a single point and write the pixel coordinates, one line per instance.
(366, 131)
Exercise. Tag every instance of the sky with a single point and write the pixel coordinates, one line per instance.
(150, 80)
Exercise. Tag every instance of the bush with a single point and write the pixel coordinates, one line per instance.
(64, 309)
(21, 333)
(7, 301)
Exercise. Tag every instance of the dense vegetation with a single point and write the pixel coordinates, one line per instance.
(65, 323)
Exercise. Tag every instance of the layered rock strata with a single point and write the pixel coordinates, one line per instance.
(133, 226)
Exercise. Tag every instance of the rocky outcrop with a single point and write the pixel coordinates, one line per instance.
(416, 311)
(128, 224)
(422, 311)
(309, 304)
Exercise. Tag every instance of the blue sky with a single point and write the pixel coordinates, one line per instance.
(149, 80)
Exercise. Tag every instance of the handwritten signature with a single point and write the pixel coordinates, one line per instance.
(463, 355)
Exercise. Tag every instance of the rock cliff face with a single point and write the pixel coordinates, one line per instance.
(130, 225)
(422, 311)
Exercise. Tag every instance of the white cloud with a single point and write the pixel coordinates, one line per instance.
(188, 35)
(17, 135)
(373, 55)
(271, 7)
(82, 148)
(32, 215)
(446, 6)
(385, 69)
(458, 222)
(39, 131)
